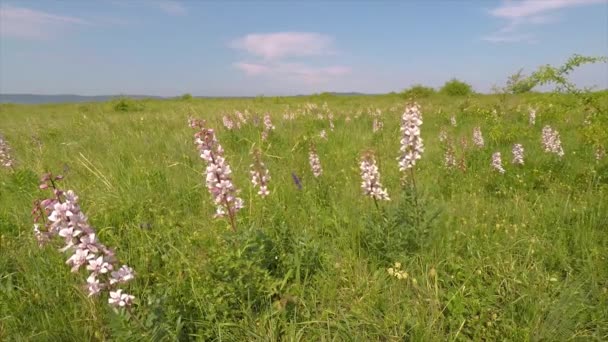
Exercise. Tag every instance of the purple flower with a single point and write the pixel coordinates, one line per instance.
(296, 180)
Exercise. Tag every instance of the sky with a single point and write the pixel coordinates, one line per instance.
(250, 48)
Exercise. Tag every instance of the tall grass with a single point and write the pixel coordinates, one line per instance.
(517, 256)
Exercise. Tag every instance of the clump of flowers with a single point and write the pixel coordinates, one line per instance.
(218, 174)
(412, 146)
(268, 126)
(443, 135)
(371, 178)
(497, 162)
(600, 153)
(552, 142)
(453, 120)
(377, 125)
(397, 272)
(477, 137)
(228, 122)
(62, 216)
(518, 154)
(242, 120)
(532, 116)
(449, 156)
(259, 174)
(323, 134)
(6, 159)
(315, 162)
(330, 117)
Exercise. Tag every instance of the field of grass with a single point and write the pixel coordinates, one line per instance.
(515, 256)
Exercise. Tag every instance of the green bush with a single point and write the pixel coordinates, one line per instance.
(456, 87)
(418, 91)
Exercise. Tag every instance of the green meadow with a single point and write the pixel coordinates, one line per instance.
(481, 255)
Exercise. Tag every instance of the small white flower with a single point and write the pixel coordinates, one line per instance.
(315, 162)
(497, 162)
(518, 154)
(119, 299)
(412, 146)
(477, 137)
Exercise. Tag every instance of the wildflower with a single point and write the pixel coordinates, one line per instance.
(119, 299)
(348, 119)
(259, 174)
(443, 135)
(123, 275)
(377, 125)
(411, 142)
(551, 141)
(449, 157)
(600, 153)
(6, 159)
(323, 134)
(218, 175)
(396, 272)
(330, 117)
(497, 162)
(371, 178)
(518, 154)
(242, 119)
(296, 180)
(268, 126)
(315, 163)
(228, 122)
(477, 137)
(65, 219)
(532, 116)
(453, 120)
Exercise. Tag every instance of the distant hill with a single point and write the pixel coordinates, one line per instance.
(69, 98)
(63, 98)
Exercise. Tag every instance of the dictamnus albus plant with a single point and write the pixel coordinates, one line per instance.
(377, 125)
(268, 126)
(218, 174)
(330, 117)
(370, 178)
(6, 159)
(443, 135)
(532, 116)
(323, 134)
(600, 153)
(314, 161)
(259, 174)
(453, 121)
(411, 142)
(518, 154)
(60, 216)
(478, 137)
(242, 120)
(552, 142)
(449, 156)
(228, 122)
(497, 162)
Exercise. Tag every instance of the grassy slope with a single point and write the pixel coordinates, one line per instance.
(519, 256)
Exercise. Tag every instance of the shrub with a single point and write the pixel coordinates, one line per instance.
(456, 87)
(418, 91)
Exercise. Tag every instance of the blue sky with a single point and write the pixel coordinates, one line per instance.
(235, 48)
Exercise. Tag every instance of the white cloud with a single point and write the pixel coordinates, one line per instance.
(522, 13)
(532, 8)
(171, 7)
(284, 44)
(295, 71)
(21, 22)
(274, 53)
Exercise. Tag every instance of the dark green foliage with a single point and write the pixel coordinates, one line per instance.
(456, 87)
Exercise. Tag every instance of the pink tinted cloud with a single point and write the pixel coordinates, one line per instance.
(297, 71)
(272, 46)
(531, 8)
(21, 22)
